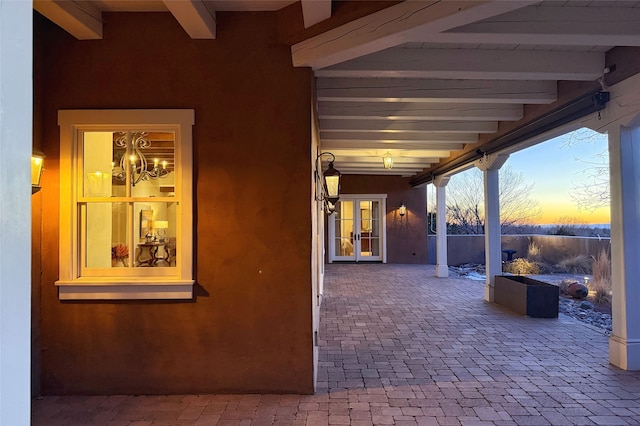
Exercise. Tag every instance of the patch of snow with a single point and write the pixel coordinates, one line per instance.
(475, 276)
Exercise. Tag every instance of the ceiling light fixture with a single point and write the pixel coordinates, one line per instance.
(387, 160)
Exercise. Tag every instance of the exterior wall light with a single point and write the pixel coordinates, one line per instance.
(329, 185)
(402, 210)
(387, 160)
(37, 162)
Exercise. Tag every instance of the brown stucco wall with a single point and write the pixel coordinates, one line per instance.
(250, 327)
(407, 236)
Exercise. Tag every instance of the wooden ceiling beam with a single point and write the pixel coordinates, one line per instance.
(392, 26)
(315, 11)
(419, 111)
(82, 22)
(427, 154)
(390, 126)
(443, 138)
(475, 64)
(381, 172)
(194, 17)
(550, 25)
(436, 90)
(397, 159)
(428, 149)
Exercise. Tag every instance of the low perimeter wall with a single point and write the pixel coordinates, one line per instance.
(554, 248)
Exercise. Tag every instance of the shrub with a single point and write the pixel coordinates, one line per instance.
(602, 267)
(534, 252)
(601, 291)
(521, 266)
(579, 264)
(601, 284)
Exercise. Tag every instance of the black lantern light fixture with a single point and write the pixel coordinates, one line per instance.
(329, 183)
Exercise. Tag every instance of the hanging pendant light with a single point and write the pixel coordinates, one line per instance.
(387, 160)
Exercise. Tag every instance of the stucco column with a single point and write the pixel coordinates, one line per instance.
(15, 210)
(621, 120)
(442, 269)
(624, 162)
(490, 166)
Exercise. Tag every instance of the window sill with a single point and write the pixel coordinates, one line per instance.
(132, 289)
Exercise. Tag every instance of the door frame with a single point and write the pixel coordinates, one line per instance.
(356, 198)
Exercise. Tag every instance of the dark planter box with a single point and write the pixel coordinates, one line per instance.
(527, 296)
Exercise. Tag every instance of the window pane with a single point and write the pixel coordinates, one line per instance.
(97, 158)
(155, 234)
(375, 218)
(119, 164)
(145, 159)
(152, 163)
(375, 246)
(344, 228)
(106, 235)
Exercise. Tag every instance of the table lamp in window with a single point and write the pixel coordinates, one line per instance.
(160, 227)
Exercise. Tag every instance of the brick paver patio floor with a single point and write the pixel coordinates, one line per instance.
(399, 346)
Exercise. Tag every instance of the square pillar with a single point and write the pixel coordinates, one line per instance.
(624, 158)
(490, 166)
(492, 236)
(16, 96)
(442, 269)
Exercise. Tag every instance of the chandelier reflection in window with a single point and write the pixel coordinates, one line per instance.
(140, 167)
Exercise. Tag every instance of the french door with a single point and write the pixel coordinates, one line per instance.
(357, 229)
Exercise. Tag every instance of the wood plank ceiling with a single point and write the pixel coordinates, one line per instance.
(420, 80)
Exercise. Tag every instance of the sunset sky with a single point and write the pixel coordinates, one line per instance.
(553, 167)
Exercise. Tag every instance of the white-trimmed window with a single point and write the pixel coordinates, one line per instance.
(126, 226)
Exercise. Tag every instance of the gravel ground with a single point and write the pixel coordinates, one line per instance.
(583, 311)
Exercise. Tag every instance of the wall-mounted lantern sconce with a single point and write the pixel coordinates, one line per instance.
(387, 160)
(37, 161)
(402, 210)
(330, 184)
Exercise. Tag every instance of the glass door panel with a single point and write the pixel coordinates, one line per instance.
(344, 221)
(374, 240)
(356, 230)
(365, 227)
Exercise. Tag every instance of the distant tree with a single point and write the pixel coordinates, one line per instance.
(564, 230)
(465, 202)
(591, 190)
(572, 226)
